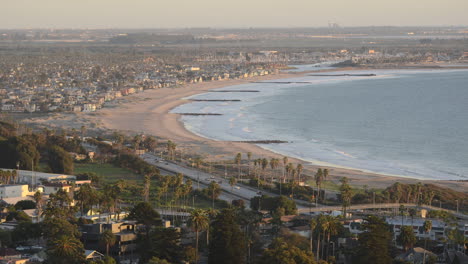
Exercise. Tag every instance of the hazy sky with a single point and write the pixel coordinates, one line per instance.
(232, 13)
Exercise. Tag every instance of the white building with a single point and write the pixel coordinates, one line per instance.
(35, 178)
(14, 190)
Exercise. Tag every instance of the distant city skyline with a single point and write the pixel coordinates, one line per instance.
(20, 14)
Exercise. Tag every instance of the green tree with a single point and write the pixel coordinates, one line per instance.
(427, 229)
(198, 221)
(59, 160)
(232, 182)
(156, 260)
(374, 242)
(228, 243)
(108, 239)
(280, 252)
(144, 214)
(163, 243)
(318, 182)
(346, 194)
(406, 238)
(65, 250)
(213, 191)
(249, 158)
(238, 160)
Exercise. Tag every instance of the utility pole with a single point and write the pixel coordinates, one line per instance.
(17, 171)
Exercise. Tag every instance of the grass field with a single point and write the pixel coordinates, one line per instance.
(108, 172)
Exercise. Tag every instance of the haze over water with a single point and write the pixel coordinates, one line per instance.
(408, 123)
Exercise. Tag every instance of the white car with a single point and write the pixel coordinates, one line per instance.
(237, 187)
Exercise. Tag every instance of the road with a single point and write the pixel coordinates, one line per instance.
(201, 179)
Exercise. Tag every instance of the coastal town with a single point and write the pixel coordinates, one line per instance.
(50, 82)
(96, 169)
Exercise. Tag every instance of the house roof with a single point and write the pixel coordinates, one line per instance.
(91, 254)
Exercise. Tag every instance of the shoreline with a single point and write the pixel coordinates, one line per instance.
(149, 112)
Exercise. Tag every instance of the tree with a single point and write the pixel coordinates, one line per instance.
(346, 194)
(108, 239)
(318, 182)
(144, 214)
(280, 252)
(232, 182)
(374, 242)
(163, 243)
(427, 228)
(19, 149)
(156, 260)
(412, 212)
(228, 243)
(213, 191)
(83, 132)
(249, 157)
(313, 224)
(406, 238)
(59, 160)
(66, 250)
(150, 143)
(25, 204)
(402, 210)
(146, 187)
(198, 221)
(238, 160)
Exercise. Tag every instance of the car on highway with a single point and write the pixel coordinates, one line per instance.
(237, 187)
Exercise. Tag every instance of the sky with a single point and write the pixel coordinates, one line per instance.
(16, 14)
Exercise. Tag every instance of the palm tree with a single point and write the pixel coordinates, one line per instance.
(198, 221)
(238, 160)
(83, 131)
(299, 169)
(67, 248)
(318, 182)
(313, 225)
(427, 228)
(412, 212)
(146, 187)
(232, 182)
(264, 166)
(402, 212)
(346, 194)
(325, 176)
(321, 224)
(333, 228)
(108, 238)
(285, 162)
(38, 200)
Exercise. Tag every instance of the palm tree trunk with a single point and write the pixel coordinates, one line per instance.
(318, 246)
(323, 243)
(425, 248)
(311, 239)
(196, 247)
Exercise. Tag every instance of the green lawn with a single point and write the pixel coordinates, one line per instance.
(108, 172)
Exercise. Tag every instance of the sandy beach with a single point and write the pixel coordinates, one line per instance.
(148, 112)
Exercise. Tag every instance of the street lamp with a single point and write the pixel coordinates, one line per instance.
(457, 205)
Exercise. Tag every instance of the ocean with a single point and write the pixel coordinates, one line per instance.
(410, 123)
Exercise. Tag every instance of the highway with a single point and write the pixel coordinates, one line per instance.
(201, 179)
(244, 192)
